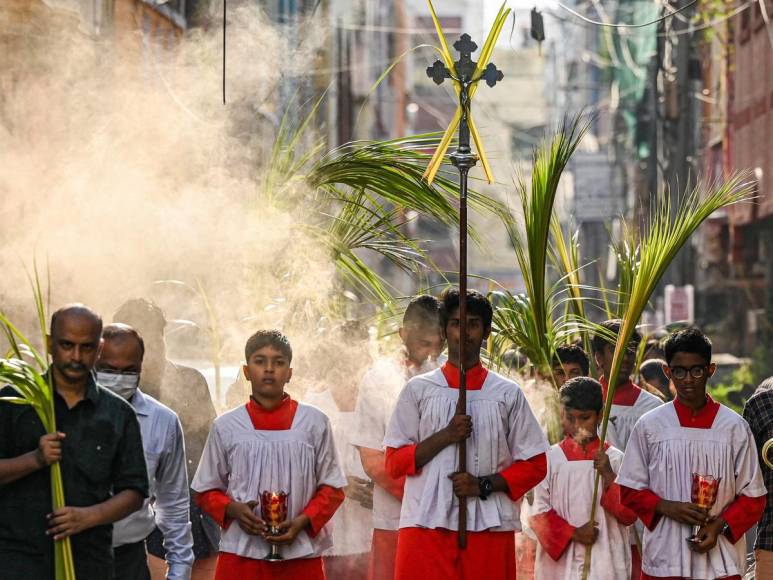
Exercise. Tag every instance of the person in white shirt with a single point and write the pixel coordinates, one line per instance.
(378, 392)
(119, 369)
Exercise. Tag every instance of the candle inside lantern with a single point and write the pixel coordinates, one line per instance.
(705, 489)
(273, 511)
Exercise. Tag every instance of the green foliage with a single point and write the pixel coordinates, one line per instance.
(25, 370)
(666, 232)
(533, 321)
(360, 193)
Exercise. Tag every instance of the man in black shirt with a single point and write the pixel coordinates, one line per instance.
(99, 447)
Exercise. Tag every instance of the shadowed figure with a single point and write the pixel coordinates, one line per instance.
(184, 390)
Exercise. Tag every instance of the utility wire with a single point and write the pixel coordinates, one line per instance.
(225, 3)
(623, 25)
(690, 30)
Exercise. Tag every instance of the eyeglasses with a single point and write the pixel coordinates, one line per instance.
(696, 372)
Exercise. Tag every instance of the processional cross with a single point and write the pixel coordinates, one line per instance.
(466, 75)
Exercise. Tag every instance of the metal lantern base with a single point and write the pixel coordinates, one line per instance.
(273, 554)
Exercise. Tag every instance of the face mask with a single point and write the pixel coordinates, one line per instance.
(122, 385)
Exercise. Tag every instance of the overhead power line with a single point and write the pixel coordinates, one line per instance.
(622, 24)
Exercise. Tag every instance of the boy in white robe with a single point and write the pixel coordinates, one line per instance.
(692, 435)
(562, 501)
(629, 403)
(272, 443)
(378, 392)
(505, 458)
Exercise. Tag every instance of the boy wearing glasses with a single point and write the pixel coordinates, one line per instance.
(692, 434)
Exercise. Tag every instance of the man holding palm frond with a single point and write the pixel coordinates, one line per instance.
(100, 451)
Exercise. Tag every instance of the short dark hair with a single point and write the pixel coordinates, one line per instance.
(272, 338)
(581, 394)
(76, 309)
(690, 340)
(119, 330)
(142, 314)
(652, 370)
(572, 353)
(423, 311)
(477, 304)
(600, 340)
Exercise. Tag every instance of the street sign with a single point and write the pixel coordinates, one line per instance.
(595, 199)
(679, 304)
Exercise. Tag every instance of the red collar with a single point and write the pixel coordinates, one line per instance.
(625, 394)
(576, 452)
(703, 419)
(278, 419)
(475, 376)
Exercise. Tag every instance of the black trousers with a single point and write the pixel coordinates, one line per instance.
(131, 562)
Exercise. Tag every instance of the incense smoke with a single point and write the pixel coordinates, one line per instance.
(122, 168)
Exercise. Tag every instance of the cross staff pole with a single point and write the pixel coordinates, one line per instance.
(464, 160)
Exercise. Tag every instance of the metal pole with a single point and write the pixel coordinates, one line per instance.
(464, 160)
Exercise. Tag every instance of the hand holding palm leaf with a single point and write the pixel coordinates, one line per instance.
(26, 371)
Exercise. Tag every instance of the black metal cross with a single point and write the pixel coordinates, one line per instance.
(464, 74)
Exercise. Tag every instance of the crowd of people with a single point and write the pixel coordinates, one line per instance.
(367, 467)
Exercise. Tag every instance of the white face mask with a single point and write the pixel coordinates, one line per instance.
(122, 385)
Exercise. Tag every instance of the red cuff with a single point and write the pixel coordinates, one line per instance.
(322, 506)
(742, 514)
(553, 532)
(611, 502)
(643, 503)
(522, 476)
(373, 462)
(401, 462)
(213, 503)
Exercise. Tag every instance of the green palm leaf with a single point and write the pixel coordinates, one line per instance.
(530, 320)
(26, 371)
(668, 229)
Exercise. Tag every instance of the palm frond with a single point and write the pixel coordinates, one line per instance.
(392, 170)
(537, 335)
(668, 229)
(566, 257)
(626, 251)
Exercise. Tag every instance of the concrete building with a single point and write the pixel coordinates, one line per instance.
(736, 252)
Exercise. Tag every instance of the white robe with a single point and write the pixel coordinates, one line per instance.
(622, 418)
(504, 431)
(662, 456)
(378, 392)
(351, 522)
(568, 489)
(243, 462)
